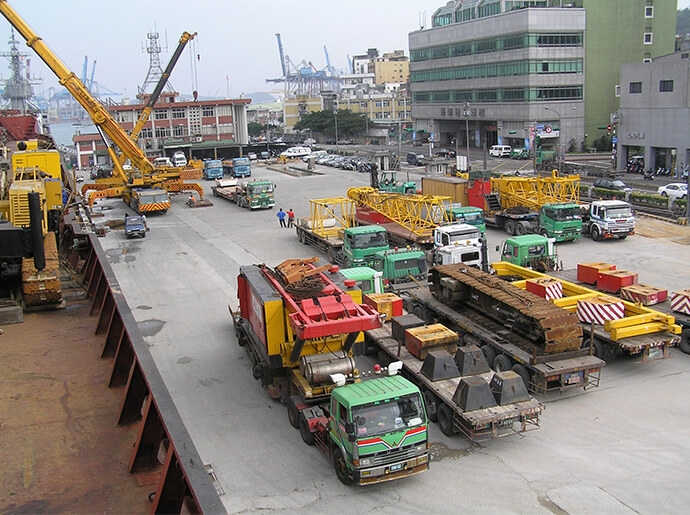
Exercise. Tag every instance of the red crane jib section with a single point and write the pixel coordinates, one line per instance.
(331, 312)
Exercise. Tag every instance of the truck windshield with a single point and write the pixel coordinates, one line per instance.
(367, 241)
(373, 419)
(452, 236)
(258, 189)
(619, 212)
(565, 214)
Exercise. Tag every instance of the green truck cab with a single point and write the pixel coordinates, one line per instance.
(469, 215)
(256, 194)
(561, 221)
(377, 430)
(361, 243)
(401, 266)
(366, 278)
(530, 251)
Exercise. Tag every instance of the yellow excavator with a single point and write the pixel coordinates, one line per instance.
(144, 187)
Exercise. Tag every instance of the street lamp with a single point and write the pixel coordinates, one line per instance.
(466, 114)
(558, 149)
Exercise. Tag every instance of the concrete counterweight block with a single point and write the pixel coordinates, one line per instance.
(471, 361)
(439, 365)
(473, 393)
(508, 387)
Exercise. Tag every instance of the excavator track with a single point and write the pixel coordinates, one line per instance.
(549, 327)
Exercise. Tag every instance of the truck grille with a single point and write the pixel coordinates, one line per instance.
(393, 455)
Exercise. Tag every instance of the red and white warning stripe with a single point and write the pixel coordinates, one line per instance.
(680, 301)
(598, 310)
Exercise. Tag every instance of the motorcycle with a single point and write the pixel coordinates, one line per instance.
(648, 175)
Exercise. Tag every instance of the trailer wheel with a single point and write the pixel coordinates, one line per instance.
(340, 466)
(304, 432)
(293, 413)
(502, 363)
(522, 371)
(445, 420)
(330, 254)
(520, 229)
(510, 227)
(489, 353)
(684, 341)
(598, 348)
(431, 403)
(257, 371)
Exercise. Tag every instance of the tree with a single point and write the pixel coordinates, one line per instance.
(254, 129)
(323, 122)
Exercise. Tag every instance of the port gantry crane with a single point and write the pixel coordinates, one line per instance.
(143, 174)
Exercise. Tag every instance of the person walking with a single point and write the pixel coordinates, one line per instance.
(281, 217)
(291, 218)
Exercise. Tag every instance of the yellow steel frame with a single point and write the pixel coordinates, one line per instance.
(330, 216)
(419, 214)
(534, 192)
(638, 319)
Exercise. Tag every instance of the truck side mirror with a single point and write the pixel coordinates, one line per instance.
(498, 248)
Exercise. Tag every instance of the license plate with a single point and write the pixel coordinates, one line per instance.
(573, 378)
(396, 467)
(655, 353)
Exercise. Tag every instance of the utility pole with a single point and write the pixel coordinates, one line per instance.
(558, 148)
(466, 114)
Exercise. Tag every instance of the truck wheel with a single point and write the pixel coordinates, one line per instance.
(544, 233)
(330, 254)
(340, 466)
(431, 403)
(510, 227)
(257, 371)
(489, 353)
(304, 432)
(596, 233)
(445, 420)
(598, 349)
(685, 341)
(502, 363)
(522, 371)
(293, 413)
(520, 229)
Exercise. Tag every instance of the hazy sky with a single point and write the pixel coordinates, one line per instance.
(236, 44)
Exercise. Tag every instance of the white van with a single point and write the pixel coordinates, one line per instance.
(296, 152)
(162, 161)
(500, 151)
(179, 159)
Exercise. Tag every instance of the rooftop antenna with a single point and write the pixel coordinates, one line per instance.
(422, 20)
(155, 70)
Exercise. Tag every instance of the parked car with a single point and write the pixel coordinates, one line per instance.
(252, 156)
(611, 184)
(674, 190)
(415, 159)
(519, 153)
(500, 151)
(446, 153)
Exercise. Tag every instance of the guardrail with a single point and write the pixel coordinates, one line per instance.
(163, 446)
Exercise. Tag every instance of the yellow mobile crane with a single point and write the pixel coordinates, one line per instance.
(132, 185)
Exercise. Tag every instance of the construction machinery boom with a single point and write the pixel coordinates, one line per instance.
(534, 192)
(418, 214)
(145, 175)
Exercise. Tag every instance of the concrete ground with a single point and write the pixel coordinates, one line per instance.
(620, 448)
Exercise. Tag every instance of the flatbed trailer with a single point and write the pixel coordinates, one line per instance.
(651, 332)
(329, 244)
(476, 424)
(542, 374)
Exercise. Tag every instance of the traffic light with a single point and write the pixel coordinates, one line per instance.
(537, 141)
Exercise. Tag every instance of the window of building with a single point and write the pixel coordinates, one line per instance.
(379, 103)
(208, 111)
(162, 132)
(665, 86)
(617, 90)
(160, 114)
(647, 40)
(179, 112)
(180, 131)
(364, 105)
(146, 133)
(649, 11)
(386, 103)
(635, 87)
(224, 110)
